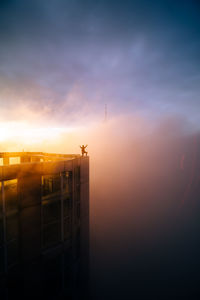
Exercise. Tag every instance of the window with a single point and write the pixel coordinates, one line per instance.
(11, 195)
(78, 210)
(67, 205)
(67, 182)
(56, 208)
(77, 243)
(67, 227)
(52, 277)
(51, 210)
(1, 202)
(51, 184)
(9, 222)
(14, 160)
(12, 220)
(78, 204)
(1, 233)
(12, 252)
(12, 229)
(2, 263)
(51, 234)
(77, 173)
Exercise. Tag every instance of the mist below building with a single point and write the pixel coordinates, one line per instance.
(144, 205)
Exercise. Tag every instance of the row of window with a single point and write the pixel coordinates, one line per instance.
(11, 160)
(56, 208)
(56, 214)
(18, 160)
(51, 186)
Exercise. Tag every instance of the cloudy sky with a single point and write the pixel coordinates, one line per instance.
(62, 60)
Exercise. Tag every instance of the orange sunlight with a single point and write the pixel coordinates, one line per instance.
(14, 135)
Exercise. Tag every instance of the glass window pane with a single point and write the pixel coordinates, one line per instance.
(78, 210)
(68, 257)
(52, 277)
(67, 205)
(11, 195)
(77, 193)
(1, 203)
(67, 182)
(51, 234)
(12, 227)
(12, 252)
(77, 243)
(1, 231)
(67, 228)
(51, 211)
(56, 183)
(77, 173)
(1, 259)
(51, 184)
(14, 160)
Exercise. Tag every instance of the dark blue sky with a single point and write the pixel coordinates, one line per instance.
(63, 60)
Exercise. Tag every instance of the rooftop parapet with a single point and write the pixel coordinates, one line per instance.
(7, 158)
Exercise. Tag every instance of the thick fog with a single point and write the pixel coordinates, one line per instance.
(144, 205)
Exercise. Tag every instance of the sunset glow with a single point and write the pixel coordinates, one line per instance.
(28, 134)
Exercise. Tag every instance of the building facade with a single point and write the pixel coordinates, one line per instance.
(44, 225)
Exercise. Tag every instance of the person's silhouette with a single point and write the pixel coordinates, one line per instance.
(83, 150)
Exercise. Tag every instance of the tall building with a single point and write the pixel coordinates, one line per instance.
(44, 225)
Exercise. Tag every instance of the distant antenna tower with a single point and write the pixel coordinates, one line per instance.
(106, 114)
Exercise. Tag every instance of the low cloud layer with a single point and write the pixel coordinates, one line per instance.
(144, 207)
